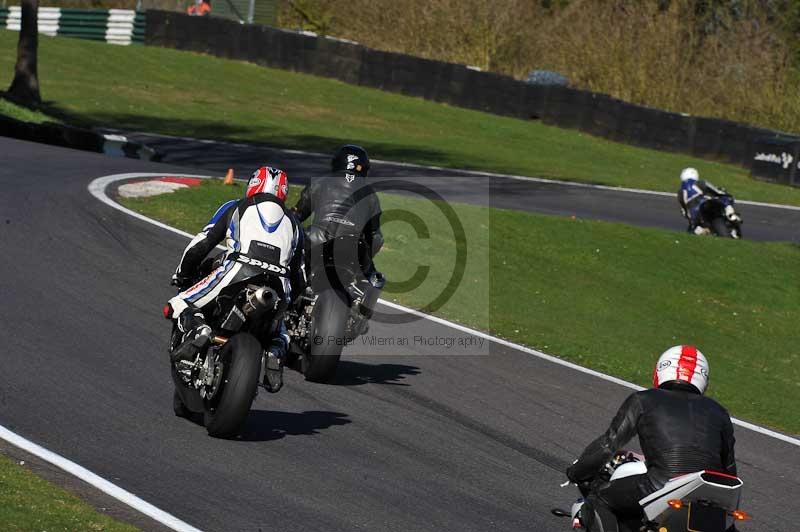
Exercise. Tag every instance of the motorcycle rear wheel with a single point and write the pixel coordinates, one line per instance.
(327, 336)
(241, 357)
(178, 407)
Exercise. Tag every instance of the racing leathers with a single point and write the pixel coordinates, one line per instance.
(680, 431)
(342, 205)
(692, 194)
(345, 205)
(259, 234)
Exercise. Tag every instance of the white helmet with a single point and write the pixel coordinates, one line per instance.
(682, 363)
(689, 173)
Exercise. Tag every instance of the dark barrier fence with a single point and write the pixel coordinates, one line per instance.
(776, 159)
(597, 114)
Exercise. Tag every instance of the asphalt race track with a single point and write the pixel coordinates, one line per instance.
(760, 223)
(407, 439)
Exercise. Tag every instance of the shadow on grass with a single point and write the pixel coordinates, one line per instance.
(225, 131)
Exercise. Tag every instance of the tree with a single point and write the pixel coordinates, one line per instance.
(24, 88)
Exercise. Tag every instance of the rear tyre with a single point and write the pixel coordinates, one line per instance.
(241, 359)
(178, 407)
(720, 227)
(327, 336)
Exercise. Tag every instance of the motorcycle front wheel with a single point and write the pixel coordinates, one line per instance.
(720, 227)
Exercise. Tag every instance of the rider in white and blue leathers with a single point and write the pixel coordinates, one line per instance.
(692, 194)
(257, 230)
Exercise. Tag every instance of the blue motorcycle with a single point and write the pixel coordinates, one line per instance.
(718, 216)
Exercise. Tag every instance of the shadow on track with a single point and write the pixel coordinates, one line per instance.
(352, 373)
(268, 425)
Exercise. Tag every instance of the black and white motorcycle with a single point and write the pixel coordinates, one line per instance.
(220, 382)
(704, 501)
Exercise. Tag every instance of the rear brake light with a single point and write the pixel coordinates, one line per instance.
(675, 503)
(167, 311)
(740, 515)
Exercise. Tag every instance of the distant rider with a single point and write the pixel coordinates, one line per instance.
(258, 226)
(344, 204)
(680, 431)
(692, 194)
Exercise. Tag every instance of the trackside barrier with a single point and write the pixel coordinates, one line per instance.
(777, 159)
(462, 86)
(115, 26)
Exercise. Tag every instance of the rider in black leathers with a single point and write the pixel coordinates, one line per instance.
(343, 203)
(680, 431)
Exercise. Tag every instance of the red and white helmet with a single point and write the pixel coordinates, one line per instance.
(268, 180)
(682, 363)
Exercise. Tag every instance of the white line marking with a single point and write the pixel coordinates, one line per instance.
(98, 190)
(98, 482)
(575, 184)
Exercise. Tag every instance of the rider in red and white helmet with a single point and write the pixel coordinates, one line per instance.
(680, 431)
(270, 181)
(682, 363)
(256, 227)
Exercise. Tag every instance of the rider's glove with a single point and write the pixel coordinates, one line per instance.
(571, 474)
(180, 281)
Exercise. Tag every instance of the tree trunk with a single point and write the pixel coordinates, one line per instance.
(25, 87)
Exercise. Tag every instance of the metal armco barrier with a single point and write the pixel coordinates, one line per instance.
(116, 26)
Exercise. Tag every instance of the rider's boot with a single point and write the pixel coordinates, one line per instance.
(371, 287)
(273, 365)
(196, 335)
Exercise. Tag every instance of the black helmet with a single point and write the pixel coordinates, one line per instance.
(351, 159)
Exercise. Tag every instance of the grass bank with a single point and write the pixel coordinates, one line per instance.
(18, 112)
(187, 94)
(28, 503)
(607, 296)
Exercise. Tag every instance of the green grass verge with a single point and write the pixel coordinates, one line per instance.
(173, 92)
(18, 112)
(607, 296)
(28, 503)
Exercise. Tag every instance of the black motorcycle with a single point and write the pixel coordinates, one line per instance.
(221, 381)
(718, 216)
(335, 307)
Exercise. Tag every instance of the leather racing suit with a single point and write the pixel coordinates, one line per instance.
(692, 194)
(259, 234)
(680, 431)
(342, 205)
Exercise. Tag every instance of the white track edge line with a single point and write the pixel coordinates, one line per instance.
(97, 189)
(98, 482)
(576, 184)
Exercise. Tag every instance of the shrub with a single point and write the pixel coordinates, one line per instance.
(713, 58)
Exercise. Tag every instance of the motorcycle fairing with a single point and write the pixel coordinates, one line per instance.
(628, 469)
(718, 488)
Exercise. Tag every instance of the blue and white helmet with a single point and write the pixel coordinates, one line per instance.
(689, 173)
